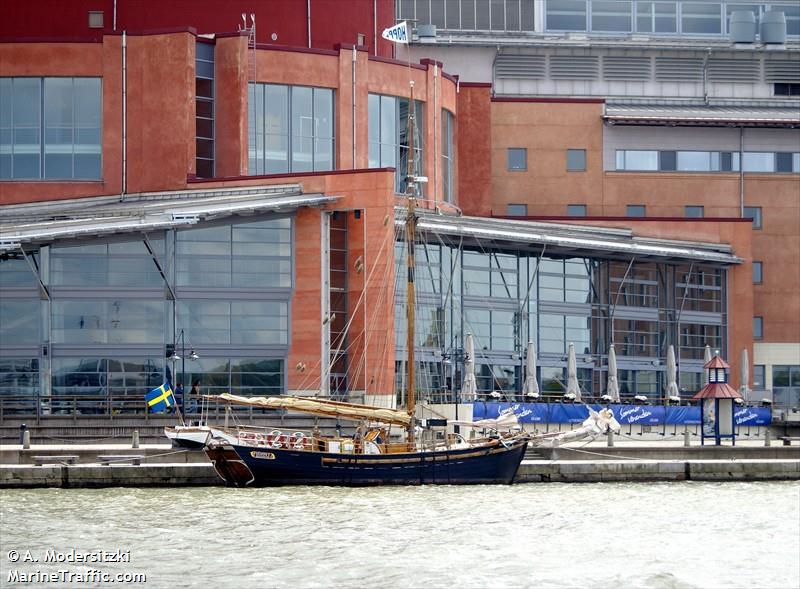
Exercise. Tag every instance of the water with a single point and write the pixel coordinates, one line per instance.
(680, 535)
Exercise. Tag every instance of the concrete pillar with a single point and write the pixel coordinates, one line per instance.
(686, 438)
(135, 443)
(767, 438)
(26, 440)
(610, 438)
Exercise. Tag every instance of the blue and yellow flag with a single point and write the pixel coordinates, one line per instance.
(160, 399)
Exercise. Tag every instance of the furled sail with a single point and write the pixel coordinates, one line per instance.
(320, 407)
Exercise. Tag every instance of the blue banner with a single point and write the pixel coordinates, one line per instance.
(639, 414)
(752, 416)
(625, 414)
(683, 415)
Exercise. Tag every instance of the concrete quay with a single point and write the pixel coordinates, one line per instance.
(579, 462)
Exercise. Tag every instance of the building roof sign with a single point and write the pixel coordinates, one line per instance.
(703, 115)
(570, 240)
(43, 223)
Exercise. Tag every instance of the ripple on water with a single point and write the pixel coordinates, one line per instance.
(652, 536)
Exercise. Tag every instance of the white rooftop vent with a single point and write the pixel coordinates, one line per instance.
(426, 31)
(773, 28)
(743, 26)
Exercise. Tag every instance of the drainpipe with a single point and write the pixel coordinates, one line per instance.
(435, 134)
(741, 171)
(353, 90)
(308, 16)
(124, 116)
(375, 27)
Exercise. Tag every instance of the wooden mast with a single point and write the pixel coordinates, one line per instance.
(410, 292)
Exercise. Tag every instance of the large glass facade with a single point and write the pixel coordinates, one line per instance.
(388, 136)
(505, 298)
(107, 333)
(204, 110)
(290, 129)
(50, 128)
(706, 18)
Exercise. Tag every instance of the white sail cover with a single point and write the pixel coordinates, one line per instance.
(612, 387)
(531, 387)
(469, 390)
(505, 422)
(320, 407)
(672, 376)
(573, 388)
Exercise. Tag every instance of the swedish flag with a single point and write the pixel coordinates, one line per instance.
(160, 399)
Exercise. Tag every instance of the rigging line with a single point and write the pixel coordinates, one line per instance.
(365, 334)
(312, 373)
(616, 298)
(368, 334)
(534, 275)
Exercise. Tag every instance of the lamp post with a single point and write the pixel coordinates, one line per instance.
(182, 357)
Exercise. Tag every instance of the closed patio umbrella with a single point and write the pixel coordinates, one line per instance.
(469, 389)
(573, 388)
(531, 387)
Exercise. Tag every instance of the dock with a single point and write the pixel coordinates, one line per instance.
(160, 465)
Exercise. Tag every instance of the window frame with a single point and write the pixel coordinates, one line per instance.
(46, 146)
(523, 151)
(581, 164)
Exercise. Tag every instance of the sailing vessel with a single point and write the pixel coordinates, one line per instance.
(246, 456)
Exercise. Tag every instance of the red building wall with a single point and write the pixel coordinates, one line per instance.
(332, 21)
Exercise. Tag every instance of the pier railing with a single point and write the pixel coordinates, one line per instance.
(111, 406)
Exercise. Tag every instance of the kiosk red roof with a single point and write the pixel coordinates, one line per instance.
(716, 362)
(717, 390)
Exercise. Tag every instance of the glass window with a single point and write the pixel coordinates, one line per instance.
(753, 213)
(757, 272)
(388, 148)
(448, 156)
(204, 110)
(701, 18)
(576, 160)
(758, 161)
(611, 16)
(14, 270)
(290, 129)
(637, 160)
(452, 14)
(576, 210)
(19, 376)
(126, 263)
(635, 210)
(759, 373)
(19, 321)
(517, 210)
(566, 15)
(758, 327)
(656, 17)
(724, 161)
(517, 159)
(108, 321)
(667, 161)
(234, 322)
(63, 144)
(783, 162)
(497, 15)
(693, 161)
(693, 211)
(792, 12)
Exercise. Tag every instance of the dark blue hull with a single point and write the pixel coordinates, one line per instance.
(245, 465)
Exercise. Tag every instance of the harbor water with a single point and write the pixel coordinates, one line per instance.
(658, 535)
